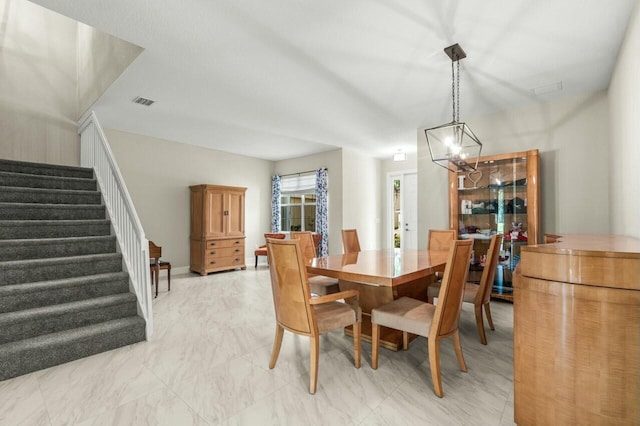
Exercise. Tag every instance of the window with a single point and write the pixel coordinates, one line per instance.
(298, 203)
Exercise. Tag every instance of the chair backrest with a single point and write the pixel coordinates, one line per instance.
(306, 244)
(441, 239)
(155, 252)
(350, 240)
(551, 238)
(290, 287)
(447, 313)
(277, 236)
(489, 272)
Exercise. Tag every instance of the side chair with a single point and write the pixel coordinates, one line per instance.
(262, 250)
(424, 319)
(299, 313)
(480, 295)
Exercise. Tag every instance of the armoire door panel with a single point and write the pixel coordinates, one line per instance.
(214, 214)
(235, 216)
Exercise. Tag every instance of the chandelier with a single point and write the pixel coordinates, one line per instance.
(453, 145)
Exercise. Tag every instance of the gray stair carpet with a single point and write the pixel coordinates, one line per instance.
(64, 294)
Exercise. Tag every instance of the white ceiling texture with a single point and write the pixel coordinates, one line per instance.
(280, 79)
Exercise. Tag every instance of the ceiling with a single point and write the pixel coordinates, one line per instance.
(281, 79)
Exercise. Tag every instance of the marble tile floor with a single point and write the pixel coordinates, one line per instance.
(207, 364)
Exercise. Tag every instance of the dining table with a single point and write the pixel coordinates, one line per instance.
(382, 276)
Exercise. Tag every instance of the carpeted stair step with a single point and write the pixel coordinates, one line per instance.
(41, 248)
(17, 297)
(42, 181)
(30, 323)
(31, 211)
(45, 169)
(29, 271)
(12, 194)
(29, 229)
(45, 351)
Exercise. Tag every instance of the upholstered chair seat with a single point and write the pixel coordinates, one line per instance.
(323, 285)
(406, 314)
(333, 315)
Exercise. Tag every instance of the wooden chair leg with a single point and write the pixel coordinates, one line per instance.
(434, 365)
(405, 341)
(480, 324)
(487, 310)
(315, 349)
(169, 278)
(157, 272)
(458, 348)
(375, 345)
(277, 342)
(356, 344)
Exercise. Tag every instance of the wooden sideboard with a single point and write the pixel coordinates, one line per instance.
(577, 332)
(217, 228)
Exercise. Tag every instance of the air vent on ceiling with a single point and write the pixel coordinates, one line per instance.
(142, 101)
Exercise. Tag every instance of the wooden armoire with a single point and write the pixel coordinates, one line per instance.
(217, 228)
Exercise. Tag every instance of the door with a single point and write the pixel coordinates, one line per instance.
(410, 210)
(403, 211)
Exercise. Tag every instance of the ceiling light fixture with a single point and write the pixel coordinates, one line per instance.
(453, 145)
(399, 156)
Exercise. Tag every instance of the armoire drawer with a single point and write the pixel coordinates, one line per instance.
(224, 262)
(217, 252)
(233, 242)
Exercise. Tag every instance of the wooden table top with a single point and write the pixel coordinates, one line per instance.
(386, 267)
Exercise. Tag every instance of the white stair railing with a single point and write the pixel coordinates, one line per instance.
(96, 154)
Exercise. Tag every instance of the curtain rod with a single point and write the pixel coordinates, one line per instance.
(302, 173)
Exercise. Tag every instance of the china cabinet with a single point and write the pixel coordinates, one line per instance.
(501, 196)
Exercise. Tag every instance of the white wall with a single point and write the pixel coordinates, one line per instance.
(332, 160)
(572, 135)
(158, 174)
(101, 59)
(38, 109)
(362, 197)
(624, 101)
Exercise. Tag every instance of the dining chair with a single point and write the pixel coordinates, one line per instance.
(350, 242)
(480, 295)
(299, 313)
(424, 319)
(262, 250)
(319, 284)
(441, 239)
(156, 265)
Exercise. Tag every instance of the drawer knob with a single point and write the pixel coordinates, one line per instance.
(213, 262)
(213, 252)
(237, 250)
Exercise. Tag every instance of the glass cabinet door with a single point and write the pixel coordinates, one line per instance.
(500, 197)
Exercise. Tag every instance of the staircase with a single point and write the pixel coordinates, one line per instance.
(63, 292)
